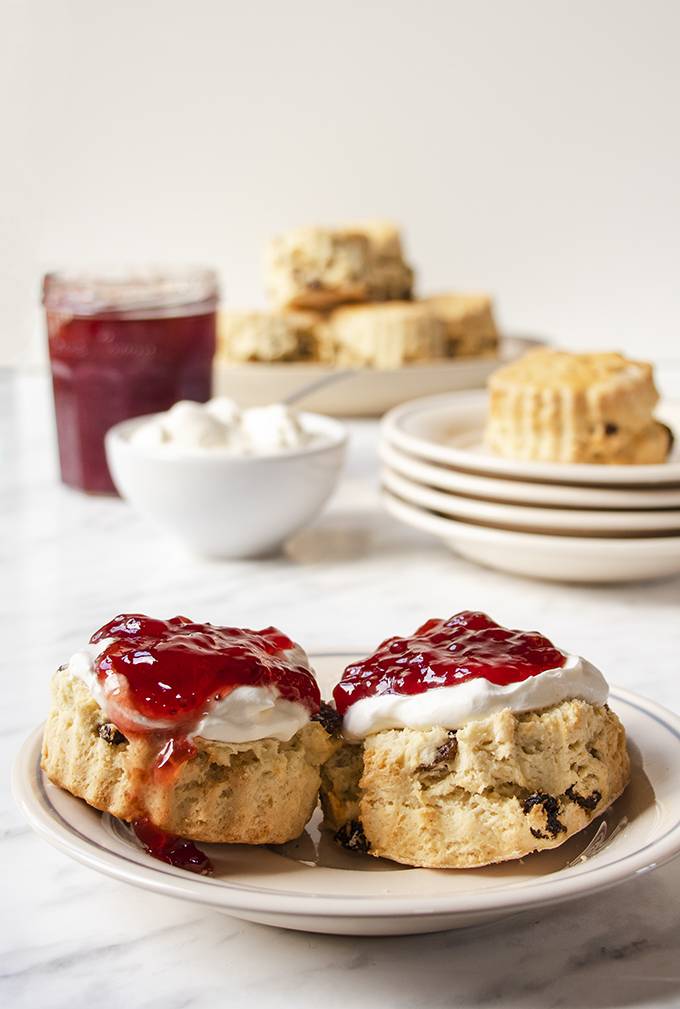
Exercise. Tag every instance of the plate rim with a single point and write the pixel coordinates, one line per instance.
(454, 529)
(27, 778)
(531, 517)
(573, 474)
(488, 487)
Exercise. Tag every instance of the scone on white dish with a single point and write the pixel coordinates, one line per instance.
(468, 744)
(215, 736)
(317, 268)
(555, 406)
(270, 337)
(322, 267)
(470, 328)
(384, 335)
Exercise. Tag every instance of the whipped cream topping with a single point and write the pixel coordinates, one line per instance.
(220, 425)
(245, 715)
(452, 706)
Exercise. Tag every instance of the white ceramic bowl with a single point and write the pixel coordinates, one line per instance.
(222, 505)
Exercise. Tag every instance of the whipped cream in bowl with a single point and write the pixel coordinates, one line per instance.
(227, 482)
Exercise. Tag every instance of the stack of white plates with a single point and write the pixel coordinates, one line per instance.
(563, 521)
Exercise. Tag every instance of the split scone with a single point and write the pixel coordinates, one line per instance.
(386, 335)
(270, 337)
(470, 328)
(205, 732)
(469, 744)
(553, 406)
(320, 268)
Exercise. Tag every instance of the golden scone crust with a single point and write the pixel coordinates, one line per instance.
(470, 328)
(251, 793)
(386, 335)
(317, 268)
(320, 268)
(553, 406)
(267, 336)
(494, 790)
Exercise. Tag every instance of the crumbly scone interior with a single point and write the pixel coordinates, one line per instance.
(496, 789)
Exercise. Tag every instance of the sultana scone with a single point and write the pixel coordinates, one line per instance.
(209, 733)
(317, 268)
(470, 328)
(390, 277)
(320, 268)
(386, 335)
(553, 406)
(469, 744)
(270, 337)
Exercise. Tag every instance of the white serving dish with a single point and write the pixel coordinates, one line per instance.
(492, 488)
(363, 393)
(537, 555)
(449, 430)
(560, 521)
(223, 505)
(310, 885)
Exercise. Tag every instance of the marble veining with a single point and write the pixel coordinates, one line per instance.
(72, 938)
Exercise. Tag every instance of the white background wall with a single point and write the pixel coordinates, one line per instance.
(530, 147)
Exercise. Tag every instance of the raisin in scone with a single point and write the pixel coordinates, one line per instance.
(209, 733)
(553, 406)
(470, 328)
(386, 335)
(469, 744)
(271, 337)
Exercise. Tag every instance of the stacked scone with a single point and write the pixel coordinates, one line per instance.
(344, 296)
(468, 744)
(555, 406)
(209, 733)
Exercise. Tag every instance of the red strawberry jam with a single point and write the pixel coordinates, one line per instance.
(173, 850)
(175, 670)
(443, 653)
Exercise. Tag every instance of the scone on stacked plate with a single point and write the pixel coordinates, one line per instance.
(204, 732)
(554, 406)
(468, 744)
(320, 268)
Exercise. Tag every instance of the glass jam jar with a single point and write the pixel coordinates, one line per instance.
(121, 346)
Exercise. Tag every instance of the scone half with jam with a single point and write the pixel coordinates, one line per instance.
(468, 744)
(204, 732)
(555, 406)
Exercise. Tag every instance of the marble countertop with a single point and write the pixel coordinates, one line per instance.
(69, 937)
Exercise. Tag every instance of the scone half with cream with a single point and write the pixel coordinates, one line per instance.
(204, 732)
(468, 744)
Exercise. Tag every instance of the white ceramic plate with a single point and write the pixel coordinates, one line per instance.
(561, 521)
(311, 885)
(524, 491)
(449, 430)
(537, 555)
(363, 393)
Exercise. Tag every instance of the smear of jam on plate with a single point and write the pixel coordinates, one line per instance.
(173, 850)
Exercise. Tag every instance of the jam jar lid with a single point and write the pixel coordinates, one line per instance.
(136, 292)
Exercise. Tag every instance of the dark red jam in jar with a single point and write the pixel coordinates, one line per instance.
(444, 653)
(122, 346)
(175, 670)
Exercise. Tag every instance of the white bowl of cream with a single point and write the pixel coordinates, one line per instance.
(228, 483)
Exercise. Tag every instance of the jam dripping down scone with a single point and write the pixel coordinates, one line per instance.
(210, 733)
(553, 406)
(469, 744)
